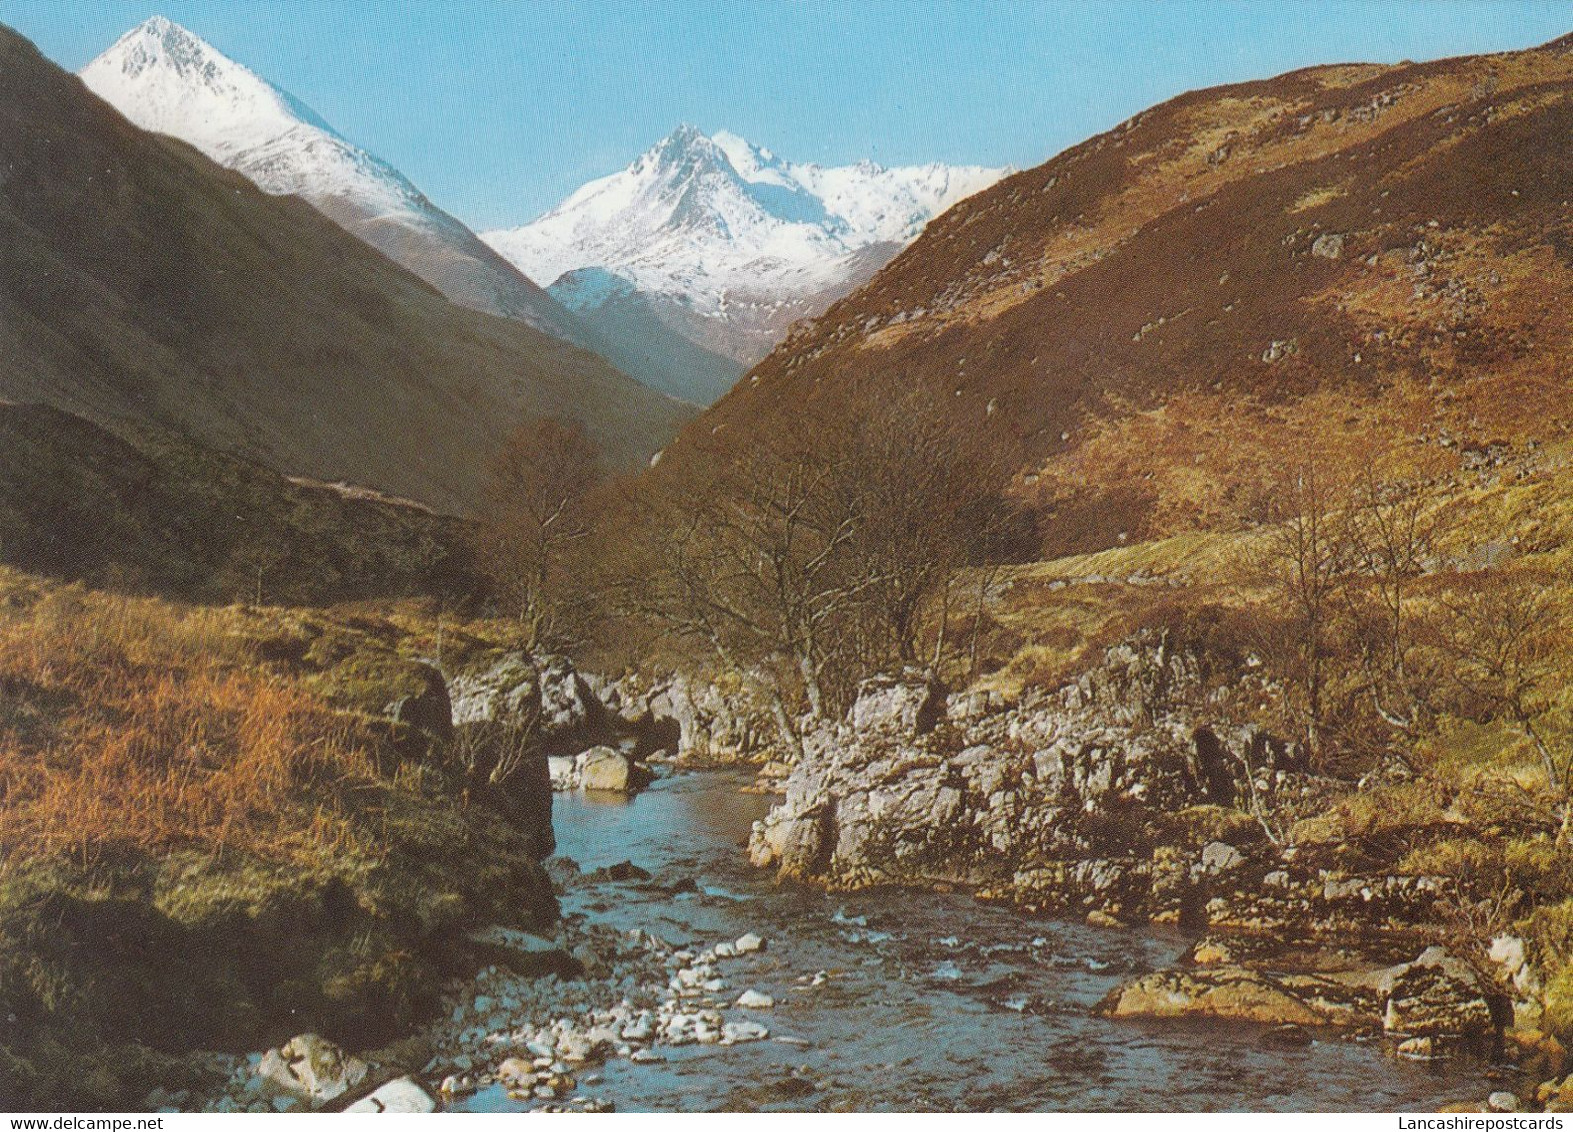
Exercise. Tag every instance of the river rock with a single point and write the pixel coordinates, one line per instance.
(602, 768)
(401, 1095)
(1437, 995)
(749, 942)
(311, 1068)
(516, 1070)
(755, 1000)
(1218, 992)
(744, 1032)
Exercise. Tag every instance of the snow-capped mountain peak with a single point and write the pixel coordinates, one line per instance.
(722, 225)
(169, 81)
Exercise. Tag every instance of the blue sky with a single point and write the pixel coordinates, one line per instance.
(498, 108)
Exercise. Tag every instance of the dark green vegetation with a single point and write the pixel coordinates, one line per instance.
(215, 837)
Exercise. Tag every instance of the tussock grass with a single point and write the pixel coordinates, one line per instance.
(135, 723)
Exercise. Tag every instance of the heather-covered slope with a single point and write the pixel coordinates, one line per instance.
(1393, 240)
(140, 281)
(159, 515)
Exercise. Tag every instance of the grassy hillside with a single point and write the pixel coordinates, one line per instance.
(1372, 257)
(141, 282)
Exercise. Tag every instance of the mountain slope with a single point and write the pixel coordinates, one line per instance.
(153, 513)
(1338, 261)
(727, 243)
(139, 280)
(169, 81)
(643, 335)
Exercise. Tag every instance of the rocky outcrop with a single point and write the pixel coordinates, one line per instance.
(695, 720)
(428, 710)
(507, 691)
(583, 731)
(1437, 996)
(904, 706)
(1064, 797)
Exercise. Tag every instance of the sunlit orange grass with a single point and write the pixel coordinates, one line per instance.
(1208, 460)
(158, 740)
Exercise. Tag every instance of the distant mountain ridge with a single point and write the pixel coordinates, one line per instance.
(140, 283)
(169, 81)
(726, 244)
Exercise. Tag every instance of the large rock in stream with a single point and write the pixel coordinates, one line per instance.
(1436, 997)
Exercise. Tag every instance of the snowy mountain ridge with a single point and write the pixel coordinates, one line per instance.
(732, 231)
(167, 80)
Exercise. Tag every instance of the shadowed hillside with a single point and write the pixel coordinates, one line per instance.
(140, 281)
(162, 515)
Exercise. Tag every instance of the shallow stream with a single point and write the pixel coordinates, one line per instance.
(910, 1000)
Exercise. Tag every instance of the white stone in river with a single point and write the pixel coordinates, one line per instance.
(725, 950)
(749, 942)
(400, 1095)
(744, 1032)
(646, 1055)
(755, 1000)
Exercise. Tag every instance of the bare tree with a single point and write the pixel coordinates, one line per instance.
(1500, 636)
(1396, 532)
(929, 493)
(531, 518)
(754, 566)
(1306, 559)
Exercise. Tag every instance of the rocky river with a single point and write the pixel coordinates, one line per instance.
(822, 949)
(888, 999)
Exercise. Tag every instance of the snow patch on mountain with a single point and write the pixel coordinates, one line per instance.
(167, 80)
